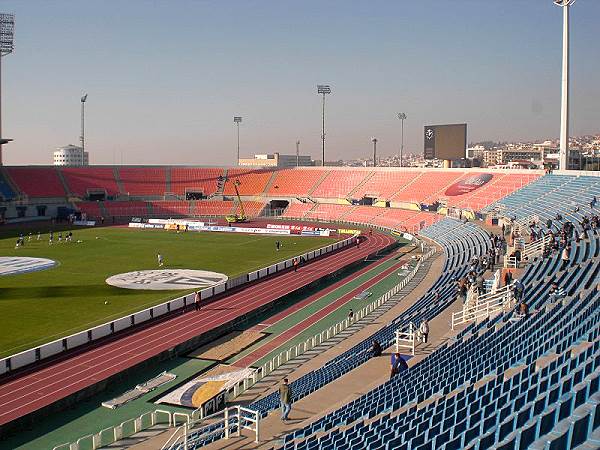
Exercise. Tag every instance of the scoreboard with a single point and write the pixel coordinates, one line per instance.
(445, 141)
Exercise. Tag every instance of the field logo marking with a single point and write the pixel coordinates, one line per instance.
(167, 279)
(13, 265)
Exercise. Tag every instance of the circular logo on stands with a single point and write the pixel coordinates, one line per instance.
(167, 279)
(12, 265)
(468, 184)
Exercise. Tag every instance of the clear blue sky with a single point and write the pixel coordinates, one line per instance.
(165, 78)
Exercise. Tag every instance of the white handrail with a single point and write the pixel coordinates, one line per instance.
(406, 339)
(232, 416)
(117, 431)
(486, 305)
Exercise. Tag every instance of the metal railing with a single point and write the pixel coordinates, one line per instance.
(233, 417)
(535, 248)
(125, 429)
(406, 339)
(316, 340)
(484, 306)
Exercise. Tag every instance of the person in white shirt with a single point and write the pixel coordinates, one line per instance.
(160, 260)
(424, 330)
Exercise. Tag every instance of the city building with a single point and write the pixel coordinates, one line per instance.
(71, 155)
(277, 160)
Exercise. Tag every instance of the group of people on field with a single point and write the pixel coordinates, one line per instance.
(68, 237)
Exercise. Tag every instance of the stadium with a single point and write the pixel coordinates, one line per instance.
(182, 307)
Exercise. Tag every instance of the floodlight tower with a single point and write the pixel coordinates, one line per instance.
(564, 106)
(402, 117)
(7, 33)
(237, 120)
(323, 89)
(297, 153)
(374, 141)
(82, 137)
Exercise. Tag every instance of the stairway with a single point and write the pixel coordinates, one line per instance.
(103, 209)
(406, 186)
(63, 182)
(168, 179)
(312, 189)
(362, 183)
(118, 181)
(269, 184)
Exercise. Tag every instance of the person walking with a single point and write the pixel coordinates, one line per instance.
(295, 264)
(285, 395)
(424, 330)
(197, 301)
(350, 315)
(159, 258)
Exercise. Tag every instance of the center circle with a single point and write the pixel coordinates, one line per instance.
(167, 279)
(12, 265)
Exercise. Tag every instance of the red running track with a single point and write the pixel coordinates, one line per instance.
(295, 330)
(53, 381)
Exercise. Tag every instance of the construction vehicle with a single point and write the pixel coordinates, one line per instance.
(233, 218)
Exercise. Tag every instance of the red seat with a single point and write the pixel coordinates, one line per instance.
(40, 182)
(294, 182)
(170, 208)
(143, 180)
(383, 184)
(297, 210)
(80, 180)
(213, 208)
(252, 182)
(195, 179)
(339, 183)
(127, 209)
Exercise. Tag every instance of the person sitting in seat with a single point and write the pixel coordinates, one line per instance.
(398, 365)
(556, 292)
(376, 349)
(523, 310)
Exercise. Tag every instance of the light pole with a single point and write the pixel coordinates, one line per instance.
(564, 106)
(82, 137)
(401, 116)
(7, 32)
(374, 141)
(297, 153)
(237, 120)
(323, 89)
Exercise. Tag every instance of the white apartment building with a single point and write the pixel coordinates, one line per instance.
(71, 155)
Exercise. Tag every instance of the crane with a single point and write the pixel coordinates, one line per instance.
(232, 218)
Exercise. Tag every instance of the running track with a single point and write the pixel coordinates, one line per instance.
(288, 334)
(55, 380)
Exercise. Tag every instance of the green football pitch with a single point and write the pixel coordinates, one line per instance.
(39, 307)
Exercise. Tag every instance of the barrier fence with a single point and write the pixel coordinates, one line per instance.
(406, 339)
(125, 429)
(484, 306)
(64, 344)
(229, 421)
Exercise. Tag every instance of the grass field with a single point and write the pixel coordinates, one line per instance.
(42, 306)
